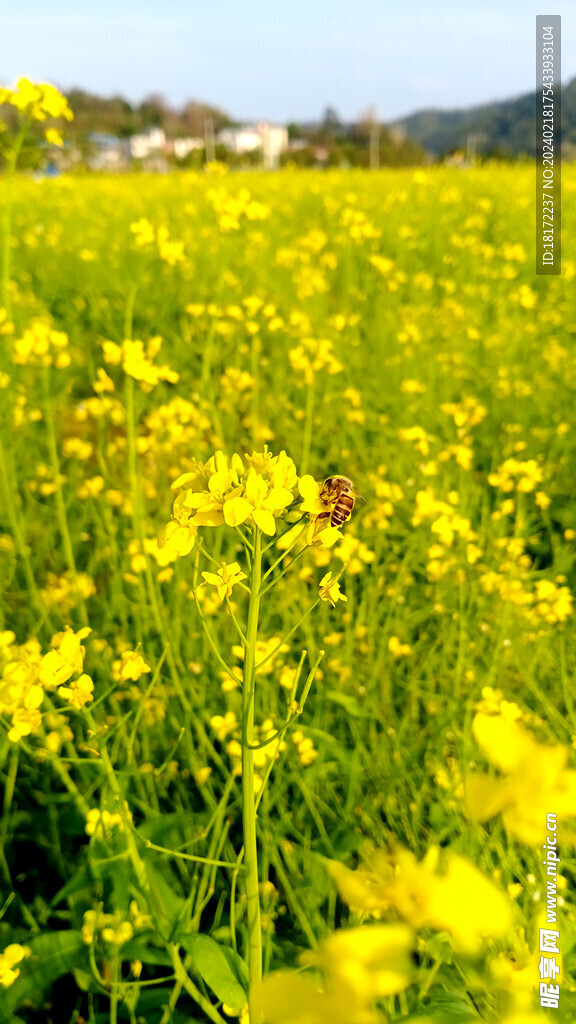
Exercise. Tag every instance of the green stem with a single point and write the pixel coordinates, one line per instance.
(138, 520)
(308, 423)
(255, 401)
(58, 494)
(129, 312)
(5, 271)
(248, 796)
(114, 993)
(9, 501)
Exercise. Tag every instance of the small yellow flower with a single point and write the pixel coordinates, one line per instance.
(12, 955)
(78, 692)
(259, 504)
(54, 137)
(132, 666)
(397, 648)
(535, 779)
(329, 590)
(225, 579)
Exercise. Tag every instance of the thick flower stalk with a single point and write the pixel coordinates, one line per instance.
(256, 495)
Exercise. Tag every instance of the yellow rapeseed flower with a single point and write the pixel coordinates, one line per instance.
(534, 779)
(10, 956)
(329, 590)
(225, 579)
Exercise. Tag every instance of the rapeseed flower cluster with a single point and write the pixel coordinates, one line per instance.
(9, 957)
(443, 891)
(313, 355)
(101, 822)
(137, 361)
(257, 489)
(41, 345)
(231, 210)
(114, 929)
(146, 236)
(38, 101)
(534, 779)
(513, 474)
(358, 965)
(27, 675)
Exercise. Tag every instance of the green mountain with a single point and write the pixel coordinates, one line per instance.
(506, 128)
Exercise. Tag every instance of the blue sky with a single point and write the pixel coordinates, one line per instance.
(285, 59)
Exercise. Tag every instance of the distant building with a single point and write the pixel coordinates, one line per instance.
(182, 147)
(106, 152)
(271, 139)
(148, 143)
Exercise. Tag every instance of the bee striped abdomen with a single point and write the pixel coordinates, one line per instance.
(338, 494)
(342, 510)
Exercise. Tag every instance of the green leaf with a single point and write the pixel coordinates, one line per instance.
(53, 954)
(219, 966)
(79, 881)
(349, 703)
(167, 827)
(451, 1008)
(138, 949)
(165, 904)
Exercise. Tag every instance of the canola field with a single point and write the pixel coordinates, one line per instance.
(238, 737)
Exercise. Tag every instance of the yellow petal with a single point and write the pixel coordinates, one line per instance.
(265, 520)
(277, 498)
(236, 511)
(505, 743)
(329, 536)
(210, 515)
(485, 797)
(34, 697)
(256, 487)
(179, 538)
(308, 487)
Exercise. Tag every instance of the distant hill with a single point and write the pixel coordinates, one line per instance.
(503, 128)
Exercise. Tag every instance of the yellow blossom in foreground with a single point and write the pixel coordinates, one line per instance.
(443, 891)
(12, 955)
(329, 590)
(79, 692)
(536, 780)
(319, 530)
(132, 666)
(512, 473)
(359, 965)
(258, 504)
(225, 579)
(553, 603)
(137, 362)
(41, 345)
(257, 490)
(179, 535)
(36, 100)
(67, 657)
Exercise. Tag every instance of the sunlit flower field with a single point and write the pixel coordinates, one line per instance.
(236, 731)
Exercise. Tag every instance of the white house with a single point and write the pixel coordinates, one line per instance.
(181, 147)
(147, 143)
(106, 152)
(271, 139)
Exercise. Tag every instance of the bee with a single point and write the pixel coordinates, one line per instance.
(339, 491)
